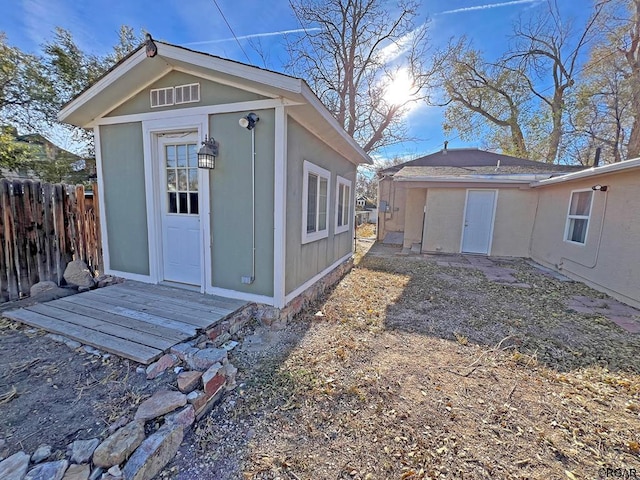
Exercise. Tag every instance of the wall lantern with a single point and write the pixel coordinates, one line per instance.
(249, 122)
(600, 188)
(208, 153)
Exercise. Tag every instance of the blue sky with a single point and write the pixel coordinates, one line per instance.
(197, 24)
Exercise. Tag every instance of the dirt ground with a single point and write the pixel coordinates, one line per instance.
(412, 370)
(407, 369)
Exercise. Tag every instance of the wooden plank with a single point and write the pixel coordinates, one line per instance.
(117, 346)
(182, 294)
(132, 313)
(182, 305)
(117, 331)
(162, 307)
(147, 328)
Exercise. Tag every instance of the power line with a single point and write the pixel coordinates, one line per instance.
(231, 30)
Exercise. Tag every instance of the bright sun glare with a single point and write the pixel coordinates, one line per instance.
(400, 88)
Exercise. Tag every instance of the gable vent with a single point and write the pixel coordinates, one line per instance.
(188, 93)
(161, 97)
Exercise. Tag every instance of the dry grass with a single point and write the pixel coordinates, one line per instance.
(412, 375)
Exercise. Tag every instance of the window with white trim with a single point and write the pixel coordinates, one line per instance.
(315, 202)
(343, 204)
(578, 216)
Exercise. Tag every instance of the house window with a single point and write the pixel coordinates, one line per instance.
(578, 216)
(188, 93)
(315, 198)
(161, 97)
(343, 205)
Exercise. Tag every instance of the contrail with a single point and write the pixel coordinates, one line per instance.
(256, 35)
(487, 6)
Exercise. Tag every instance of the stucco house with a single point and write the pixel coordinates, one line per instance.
(274, 215)
(582, 222)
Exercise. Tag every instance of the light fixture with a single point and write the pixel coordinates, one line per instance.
(249, 121)
(600, 188)
(208, 153)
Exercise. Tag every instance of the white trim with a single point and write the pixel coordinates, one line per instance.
(150, 131)
(591, 172)
(341, 181)
(249, 297)
(193, 111)
(101, 84)
(307, 169)
(570, 217)
(131, 276)
(280, 207)
(106, 259)
(315, 278)
(493, 216)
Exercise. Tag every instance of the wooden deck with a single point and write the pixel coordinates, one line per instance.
(132, 320)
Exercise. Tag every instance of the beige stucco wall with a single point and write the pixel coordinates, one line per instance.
(514, 215)
(394, 193)
(414, 215)
(443, 221)
(610, 258)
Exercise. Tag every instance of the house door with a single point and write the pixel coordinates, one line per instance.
(478, 221)
(181, 246)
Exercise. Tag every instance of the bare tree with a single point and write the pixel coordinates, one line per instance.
(497, 94)
(549, 48)
(366, 63)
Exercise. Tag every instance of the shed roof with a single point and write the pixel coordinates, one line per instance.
(136, 72)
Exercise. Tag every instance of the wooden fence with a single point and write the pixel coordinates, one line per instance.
(42, 228)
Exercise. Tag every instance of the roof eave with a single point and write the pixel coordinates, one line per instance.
(591, 172)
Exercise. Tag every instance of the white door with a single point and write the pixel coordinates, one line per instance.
(181, 246)
(478, 221)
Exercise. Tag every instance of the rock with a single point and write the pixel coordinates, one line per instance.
(213, 379)
(154, 453)
(120, 445)
(203, 359)
(78, 274)
(82, 450)
(92, 351)
(230, 373)
(185, 417)
(115, 471)
(96, 473)
(181, 350)
(202, 403)
(42, 453)
(160, 403)
(77, 472)
(48, 471)
(41, 287)
(189, 381)
(230, 345)
(72, 344)
(158, 368)
(14, 467)
(3, 449)
(121, 422)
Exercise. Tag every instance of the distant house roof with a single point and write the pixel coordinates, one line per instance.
(473, 157)
(368, 203)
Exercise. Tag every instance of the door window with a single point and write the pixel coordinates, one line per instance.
(182, 178)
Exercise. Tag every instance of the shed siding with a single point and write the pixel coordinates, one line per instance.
(394, 193)
(609, 260)
(443, 225)
(124, 193)
(230, 193)
(303, 262)
(211, 93)
(515, 213)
